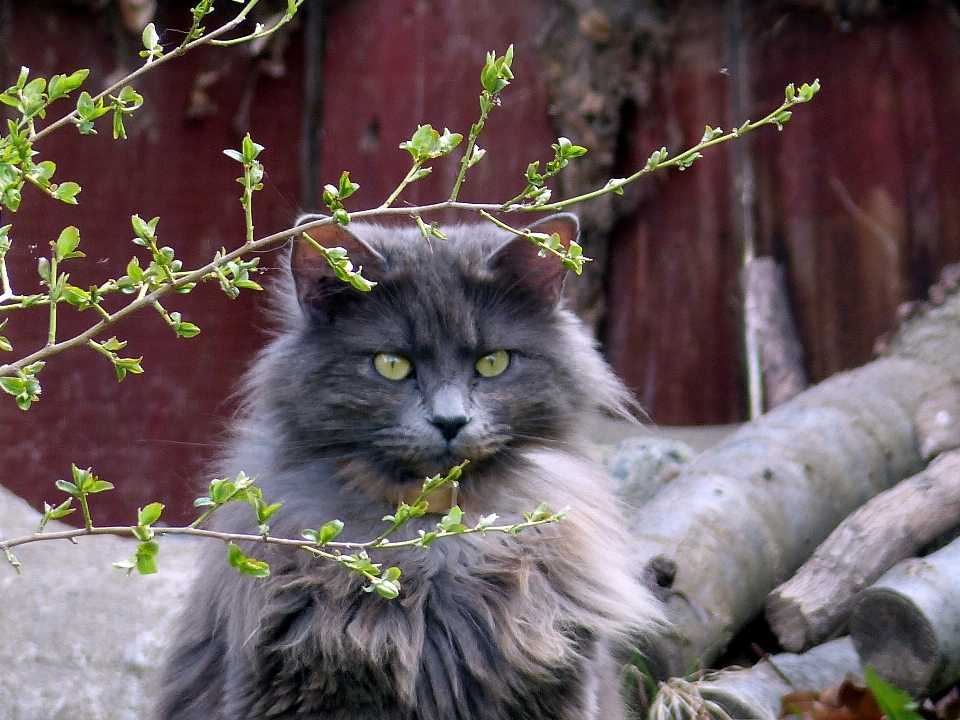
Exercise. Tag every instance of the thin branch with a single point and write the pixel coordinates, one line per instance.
(125, 531)
(147, 66)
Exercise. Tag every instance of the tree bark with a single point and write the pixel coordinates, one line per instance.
(815, 604)
(742, 517)
(768, 313)
(907, 625)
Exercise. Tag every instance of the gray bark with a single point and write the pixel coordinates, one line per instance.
(768, 313)
(907, 625)
(742, 517)
(816, 602)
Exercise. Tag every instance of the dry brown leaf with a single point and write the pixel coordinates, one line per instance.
(846, 701)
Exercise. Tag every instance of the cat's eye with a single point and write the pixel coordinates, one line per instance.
(493, 364)
(391, 366)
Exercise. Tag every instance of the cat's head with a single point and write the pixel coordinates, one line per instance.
(461, 351)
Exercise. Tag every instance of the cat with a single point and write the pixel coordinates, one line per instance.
(462, 351)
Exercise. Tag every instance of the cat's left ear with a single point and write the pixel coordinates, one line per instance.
(520, 259)
(318, 287)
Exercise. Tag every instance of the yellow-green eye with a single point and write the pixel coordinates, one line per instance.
(392, 367)
(493, 364)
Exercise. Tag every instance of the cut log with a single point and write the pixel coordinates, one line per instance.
(757, 692)
(743, 516)
(815, 604)
(907, 625)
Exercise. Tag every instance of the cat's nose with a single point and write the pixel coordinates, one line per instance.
(449, 426)
(449, 412)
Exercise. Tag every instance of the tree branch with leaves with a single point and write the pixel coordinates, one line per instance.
(156, 272)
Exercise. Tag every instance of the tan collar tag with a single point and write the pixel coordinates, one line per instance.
(439, 502)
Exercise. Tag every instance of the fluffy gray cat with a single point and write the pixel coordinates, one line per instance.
(462, 351)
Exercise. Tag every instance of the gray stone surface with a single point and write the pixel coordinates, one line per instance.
(79, 640)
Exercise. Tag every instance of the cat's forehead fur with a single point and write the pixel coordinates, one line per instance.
(403, 247)
(437, 288)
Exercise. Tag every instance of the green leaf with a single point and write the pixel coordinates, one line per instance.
(541, 513)
(127, 365)
(146, 552)
(142, 559)
(66, 192)
(329, 531)
(781, 118)
(245, 565)
(119, 131)
(62, 85)
(143, 228)
(427, 537)
(12, 385)
(345, 187)
(55, 513)
(186, 329)
(68, 487)
(710, 133)
(656, 158)
(388, 589)
(496, 73)
(235, 555)
(44, 170)
(250, 149)
(12, 559)
(150, 514)
(67, 243)
(487, 521)
(808, 91)
(264, 512)
(150, 37)
(451, 521)
(43, 270)
(76, 296)
(134, 271)
(687, 159)
(894, 702)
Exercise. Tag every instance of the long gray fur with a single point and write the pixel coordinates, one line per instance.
(494, 627)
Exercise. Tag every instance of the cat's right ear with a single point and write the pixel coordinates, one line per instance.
(318, 288)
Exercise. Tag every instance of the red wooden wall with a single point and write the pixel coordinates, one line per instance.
(857, 196)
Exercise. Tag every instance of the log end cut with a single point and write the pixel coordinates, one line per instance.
(893, 637)
(788, 622)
